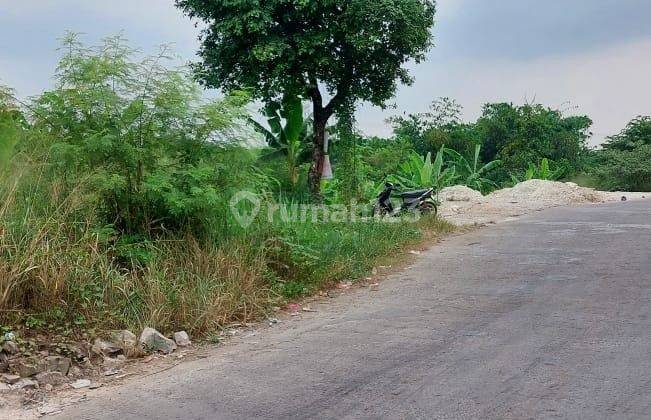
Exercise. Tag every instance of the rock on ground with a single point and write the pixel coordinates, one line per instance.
(80, 383)
(27, 367)
(153, 341)
(10, 347)
(10, 379)
(105, 348)
(58, 364)
(25, 383)
(125, 340)
(50, 378)
(182, 339)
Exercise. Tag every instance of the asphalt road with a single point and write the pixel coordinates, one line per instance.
(548, 316)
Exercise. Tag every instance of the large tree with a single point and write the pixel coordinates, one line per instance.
(332, 52)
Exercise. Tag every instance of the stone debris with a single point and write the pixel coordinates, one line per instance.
(80, 383)
(293, 307)
(25, 383)
(106, 348)
(58, 364)
(460, 193)
(344, 285)
(124, 340)
(10, 379)
(111, 372)
(10, 347)
(27, 367)
(50, 378)
(182, 339)
(153, 341)
(49, 409)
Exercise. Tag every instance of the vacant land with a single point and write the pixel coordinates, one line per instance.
(544, 316)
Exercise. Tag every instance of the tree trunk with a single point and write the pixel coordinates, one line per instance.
(319, 127)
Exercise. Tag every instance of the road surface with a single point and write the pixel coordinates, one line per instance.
(547, 316)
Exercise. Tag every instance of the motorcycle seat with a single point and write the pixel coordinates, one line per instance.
(412, 194)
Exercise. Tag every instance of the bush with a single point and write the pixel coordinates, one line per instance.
(151, 149)
(623, 163)
(624, 170)
(115, 191)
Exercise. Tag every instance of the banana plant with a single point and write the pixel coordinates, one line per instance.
(421, 172)
(543, 171)
(473, 175)
(288, 133)
(540, 171)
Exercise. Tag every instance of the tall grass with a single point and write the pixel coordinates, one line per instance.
(58, 267)
(114, 213)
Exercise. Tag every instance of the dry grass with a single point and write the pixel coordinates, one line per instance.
(204, 287)
(58, 268)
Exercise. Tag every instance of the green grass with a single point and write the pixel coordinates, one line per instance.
(59, 271)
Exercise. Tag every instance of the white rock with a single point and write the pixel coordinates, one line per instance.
(10, 379)
(25, 383)
(80, 383)
(152, 340)
(105, 348)
(49, 409)
(124, 339)
(58, 364)
(182, 339)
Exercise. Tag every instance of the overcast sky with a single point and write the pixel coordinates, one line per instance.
(585, 56)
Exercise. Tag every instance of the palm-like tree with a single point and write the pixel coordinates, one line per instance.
(473, 175)
(288, 133)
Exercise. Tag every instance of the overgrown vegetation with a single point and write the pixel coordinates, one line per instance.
(518, 137)
(116, 185)
(115, 211)
(624, 163)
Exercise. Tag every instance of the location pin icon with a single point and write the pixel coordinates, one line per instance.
(243, 217)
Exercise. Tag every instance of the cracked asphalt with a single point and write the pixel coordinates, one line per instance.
(546, 316)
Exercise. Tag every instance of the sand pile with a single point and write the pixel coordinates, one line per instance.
(539, 194)
(462, 205)
(460, 193)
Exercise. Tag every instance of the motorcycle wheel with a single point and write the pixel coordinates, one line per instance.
(379, 211)
(427, 207)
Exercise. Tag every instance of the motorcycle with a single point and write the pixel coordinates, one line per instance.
(424, 201)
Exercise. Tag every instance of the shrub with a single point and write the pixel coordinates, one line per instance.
(623, 163)
(152, 149)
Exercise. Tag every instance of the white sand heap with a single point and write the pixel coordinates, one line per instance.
(460, 193)
(539, 194)
(462, 205)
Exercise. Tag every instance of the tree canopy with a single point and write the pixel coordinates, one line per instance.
(636, 134)
(348, 49)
